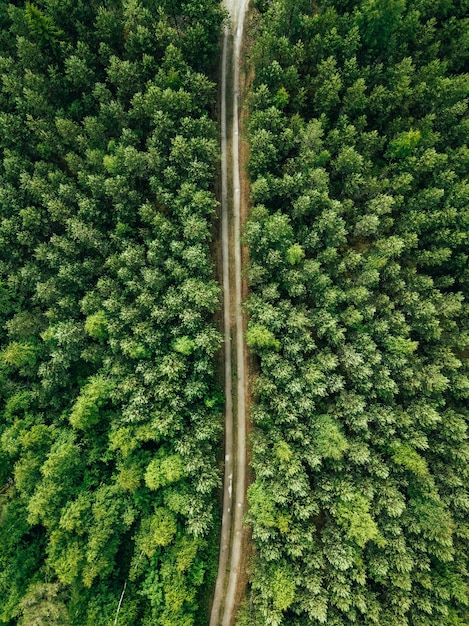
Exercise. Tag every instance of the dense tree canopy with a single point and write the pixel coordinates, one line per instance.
(358, 317)
(110, 423)
(358, 312)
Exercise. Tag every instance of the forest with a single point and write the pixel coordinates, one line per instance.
(110, 424)
(111, 399)
(358, 315)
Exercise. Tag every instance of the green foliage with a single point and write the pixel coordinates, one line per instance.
(157, 530)
(354, 515)
(86, 410)
(358, 313)
(96, 325)
(41, 26)
(404, 144)
(262, 507)
(295, 254)
(110, 414)
(43, 606)
(20, 355)
(258, 336)
(184, 345)
(329, 440)
(283, 589)
(406, 456)
(164, 470)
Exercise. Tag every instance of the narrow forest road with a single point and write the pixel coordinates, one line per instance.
(234, 485)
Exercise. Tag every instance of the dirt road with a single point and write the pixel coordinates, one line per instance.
(223, 608)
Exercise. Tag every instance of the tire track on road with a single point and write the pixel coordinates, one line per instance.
(234, 487)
